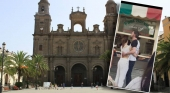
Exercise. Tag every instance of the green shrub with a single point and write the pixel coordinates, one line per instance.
(19, 84)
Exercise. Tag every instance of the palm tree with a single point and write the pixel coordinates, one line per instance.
(20, 60)
(106, 55)
(30, 71)
(7, 65)
(162, 62)
(39, 64)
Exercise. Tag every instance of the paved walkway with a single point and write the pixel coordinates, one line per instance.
(75, 90)
(69, 90)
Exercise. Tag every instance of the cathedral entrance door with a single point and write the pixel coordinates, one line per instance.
(98, 75)
(78, 75)
(77, 79)
(59, 75)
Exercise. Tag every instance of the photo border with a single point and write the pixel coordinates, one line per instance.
(116, 30)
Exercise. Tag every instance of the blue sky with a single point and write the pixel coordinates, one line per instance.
(17, 18)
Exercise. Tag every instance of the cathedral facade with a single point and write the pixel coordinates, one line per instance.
(73, 57)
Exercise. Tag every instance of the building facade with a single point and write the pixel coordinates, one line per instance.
(166, 27)
(161, 36)
(73, 57)
(6, 78)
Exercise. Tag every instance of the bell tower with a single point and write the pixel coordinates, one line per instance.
(43, 7)
(41, 28)
(78, 17)
(110, 19)
(42, 18)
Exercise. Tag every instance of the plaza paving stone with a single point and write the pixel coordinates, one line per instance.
(75, 90)
(69, 90)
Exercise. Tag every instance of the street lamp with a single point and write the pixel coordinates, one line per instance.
(36, 76)
(94, 75)
(3, 48)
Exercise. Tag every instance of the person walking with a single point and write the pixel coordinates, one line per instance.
(63, 85)
(71, 86)
(56, 86)
(82, 85)
(91, 85)
(97, 85)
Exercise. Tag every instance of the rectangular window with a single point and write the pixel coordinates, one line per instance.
(59, 49)
(40, 47)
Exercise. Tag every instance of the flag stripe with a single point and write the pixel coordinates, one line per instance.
(153, 13)
(139, 11)
(126, 9)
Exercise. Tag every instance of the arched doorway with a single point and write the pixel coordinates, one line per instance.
(59, 74)
(97, 75)
(78, 75)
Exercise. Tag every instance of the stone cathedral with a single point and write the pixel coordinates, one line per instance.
(73, 57)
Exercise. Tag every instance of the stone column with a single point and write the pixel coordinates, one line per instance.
(67, 46)
(104, 43)
(88, 46)
(45, 77)
(89, 71)
(51, 71)
(67, 71)
(169, 76)
(110, 42)
(105, 71)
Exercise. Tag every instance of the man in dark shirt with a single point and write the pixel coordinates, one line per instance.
(132, 59)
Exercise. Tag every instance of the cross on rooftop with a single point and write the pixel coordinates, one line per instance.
(78, 8)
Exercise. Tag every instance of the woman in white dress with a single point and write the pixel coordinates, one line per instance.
(123, 63)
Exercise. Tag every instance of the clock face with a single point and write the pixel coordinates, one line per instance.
(41, 28)
(78, 46)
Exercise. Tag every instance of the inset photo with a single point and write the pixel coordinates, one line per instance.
(134, 47)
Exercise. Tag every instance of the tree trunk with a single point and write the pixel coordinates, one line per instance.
(19, 75)
(27, 82)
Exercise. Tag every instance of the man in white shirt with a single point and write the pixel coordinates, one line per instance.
(135, 44)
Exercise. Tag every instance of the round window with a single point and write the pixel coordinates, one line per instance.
(78, 46)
